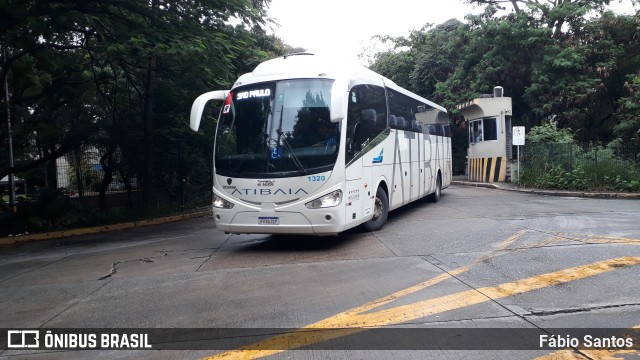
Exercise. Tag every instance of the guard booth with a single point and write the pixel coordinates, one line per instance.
(489, 124)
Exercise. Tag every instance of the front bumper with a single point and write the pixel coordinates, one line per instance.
(319, 222)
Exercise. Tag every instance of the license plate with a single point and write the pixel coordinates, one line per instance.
(268, 221)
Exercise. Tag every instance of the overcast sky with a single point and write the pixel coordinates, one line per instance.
(346, 26)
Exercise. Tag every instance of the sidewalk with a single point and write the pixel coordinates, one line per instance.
(12, 240)
(462, 181)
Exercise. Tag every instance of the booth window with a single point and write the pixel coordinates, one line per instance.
(475, 131)
(483, 130)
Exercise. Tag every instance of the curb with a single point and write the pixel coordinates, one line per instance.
(584, 194)
(6, 241)
(475, 184)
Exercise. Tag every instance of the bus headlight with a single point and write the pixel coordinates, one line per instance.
(221, 203)
(329, 200)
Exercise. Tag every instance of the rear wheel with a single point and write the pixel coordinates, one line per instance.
(380, 211)
(435, 196)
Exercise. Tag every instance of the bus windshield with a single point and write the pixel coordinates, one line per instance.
(277, 129)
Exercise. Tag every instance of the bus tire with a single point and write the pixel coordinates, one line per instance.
(380, 212)
(435, 196)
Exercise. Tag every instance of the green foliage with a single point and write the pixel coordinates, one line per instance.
(556, 177)
(568, 61)
(627, 129)
(120, 76)
(397, 65)
(570, 167)
(48, 209)
(548, 133)
(554, 61)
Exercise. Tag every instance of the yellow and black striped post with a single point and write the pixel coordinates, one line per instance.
(490, 169)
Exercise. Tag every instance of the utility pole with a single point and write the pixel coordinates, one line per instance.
(12, 185)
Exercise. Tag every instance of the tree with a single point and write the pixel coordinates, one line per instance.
(581, 79)
(119, 75)
(548, 133)
(627, 129)
(578, 77)
(396, 65)
(555, 13)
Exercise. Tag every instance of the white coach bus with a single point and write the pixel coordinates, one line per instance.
(306, 145)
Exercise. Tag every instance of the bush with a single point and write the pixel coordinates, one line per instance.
(549, 133)
(570, 167)
(552, 160)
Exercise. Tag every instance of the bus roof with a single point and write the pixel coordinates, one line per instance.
(310, 66)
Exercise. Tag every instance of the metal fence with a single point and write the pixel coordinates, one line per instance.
(589, 166)
(75, 197)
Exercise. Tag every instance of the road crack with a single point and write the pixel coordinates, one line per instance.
(114, 266)
(577, 310)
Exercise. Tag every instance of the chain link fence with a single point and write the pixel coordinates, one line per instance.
(87, 188)
(581, 167)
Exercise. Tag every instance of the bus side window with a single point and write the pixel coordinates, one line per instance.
(367, 121)
(414, 126)
(354, 145)
(447, 130)
(366, 117)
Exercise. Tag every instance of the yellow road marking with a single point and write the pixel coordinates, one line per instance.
(355, 320)
(511, 239)
(588, 238)
(611, 241)
(593, 354)
(436, 280)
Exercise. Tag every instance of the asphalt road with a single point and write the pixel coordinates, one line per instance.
(478, 259)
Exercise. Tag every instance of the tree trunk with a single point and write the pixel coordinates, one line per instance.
(147, 190)
(515, 5)
(557, 32)
(107, 165)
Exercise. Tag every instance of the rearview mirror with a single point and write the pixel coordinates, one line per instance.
(198, 106)
(339, 96)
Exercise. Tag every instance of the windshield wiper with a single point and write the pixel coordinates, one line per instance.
(295, 159)
(236, 170)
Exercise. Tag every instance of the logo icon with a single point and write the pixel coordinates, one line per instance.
(229, 181)
(378, 159)
(22, 339)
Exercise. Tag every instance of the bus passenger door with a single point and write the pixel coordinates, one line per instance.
(353, 196)
(397, 187)
(421, 163)
(428, 161)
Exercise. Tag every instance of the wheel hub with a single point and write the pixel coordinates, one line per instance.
(377, 211)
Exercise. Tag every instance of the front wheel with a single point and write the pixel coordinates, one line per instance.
(380, 212)
(435, 197)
